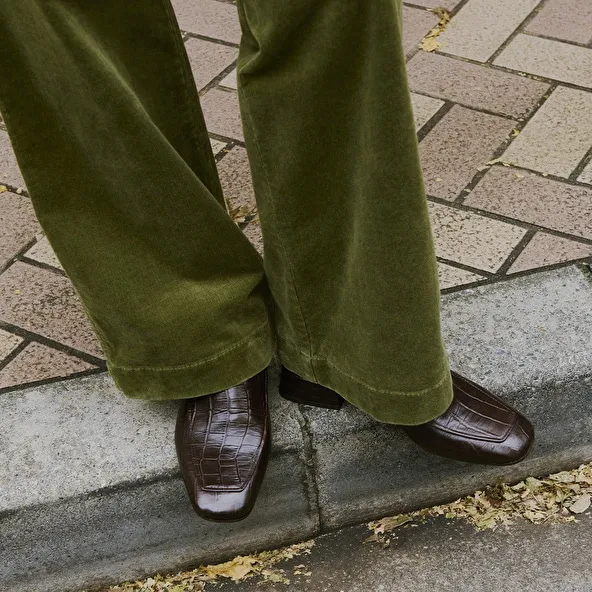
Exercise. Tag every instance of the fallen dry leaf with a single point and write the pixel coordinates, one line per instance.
(240, 568)
(581, 504)
(555, 498)
(429, 42)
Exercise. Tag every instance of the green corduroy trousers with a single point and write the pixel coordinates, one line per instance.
(104, 117)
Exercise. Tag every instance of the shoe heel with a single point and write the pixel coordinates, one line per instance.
(296, 389)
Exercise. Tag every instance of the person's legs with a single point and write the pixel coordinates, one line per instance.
(348, 247)
(104, 117)
(102, 110)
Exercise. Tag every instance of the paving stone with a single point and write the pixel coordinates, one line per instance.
(45, 303)
(548, 58)
(557, 137)
(8, 341)
(42, 252)
(10, 173)
(222, 113)
(458, 144)
(38, 362)
(538, 200)
(473, 85)
(230, 80)
(253, 233)
(547, 249)
(451, 277)
(479, 28)
(586, 174)
(424, 108)
(18, 225)
(210, 18)
(235, 177)
(416, 25)
(217, 145)
(564, 19)
(447, 4)
(471, 239)
(208, 59)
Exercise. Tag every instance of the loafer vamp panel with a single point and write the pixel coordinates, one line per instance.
(223, 443)
(477, 427)
(476, 413)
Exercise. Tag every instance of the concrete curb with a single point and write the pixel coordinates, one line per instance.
(90, 492)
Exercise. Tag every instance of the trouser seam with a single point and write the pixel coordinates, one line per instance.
(212, 358)
(312, 359)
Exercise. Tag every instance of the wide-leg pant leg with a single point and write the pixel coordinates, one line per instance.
(103, 114)
(348, 247)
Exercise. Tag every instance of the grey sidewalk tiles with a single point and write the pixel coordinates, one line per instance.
(38, 362)
(586, 175)
(538, 200)
(548, 249)
(230, 80)
(418, 23)
(94, 493)
(44, 302)
(10, 173)
(458, 144)
(479, 28)
(18, 225)
(487, 243)
(453, 276)
(235, 178)
(424, 108)
(557, 136)
(8, 342)
(548, 58)
(208, 59)
(570, 20)
(210, 18)
(217, 145)
(222, 113)
(42, 252)
(474, 85)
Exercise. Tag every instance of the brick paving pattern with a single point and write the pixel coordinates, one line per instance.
(503, 111)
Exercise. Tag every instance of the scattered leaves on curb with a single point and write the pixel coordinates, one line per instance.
(237, 569)
(553, 499)
(429, 42)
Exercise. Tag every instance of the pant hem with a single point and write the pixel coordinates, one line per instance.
(234, 365)
(393, 406)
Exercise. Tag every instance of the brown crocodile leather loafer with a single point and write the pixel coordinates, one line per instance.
(223, 443)
(478, 427)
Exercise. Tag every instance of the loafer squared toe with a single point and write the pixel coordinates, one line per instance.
(478, 427)
(223, 443)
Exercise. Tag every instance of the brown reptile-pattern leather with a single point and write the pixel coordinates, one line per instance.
(223, 444)
(478, 427)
